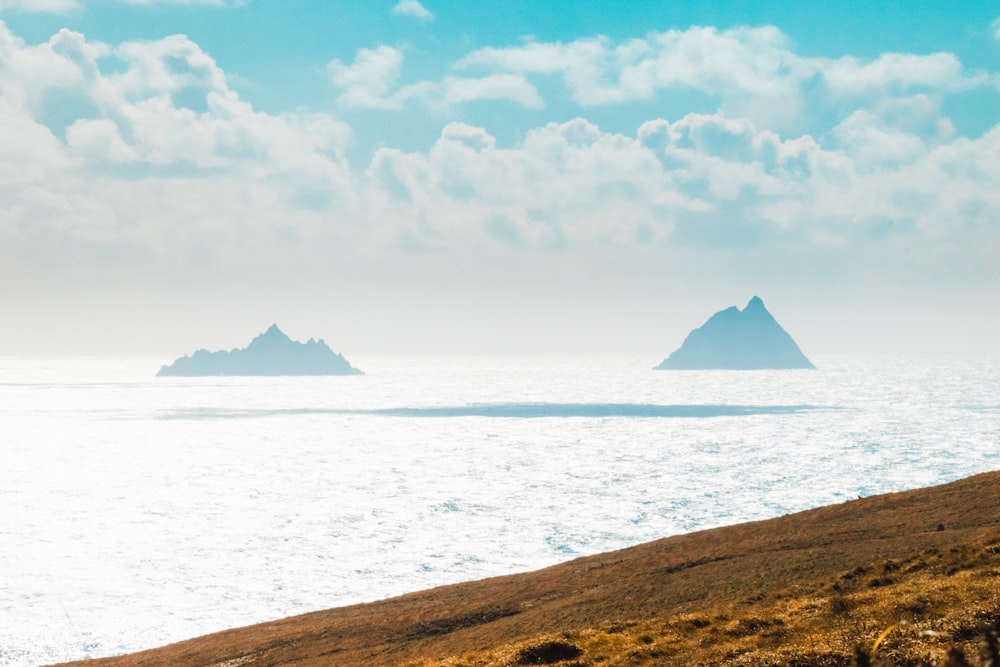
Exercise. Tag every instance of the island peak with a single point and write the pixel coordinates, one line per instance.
(273, 330)
(269, 353)
(734, 339)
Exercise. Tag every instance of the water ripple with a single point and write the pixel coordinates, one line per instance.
(513, 411)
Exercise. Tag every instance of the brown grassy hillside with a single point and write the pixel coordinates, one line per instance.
(921, 567)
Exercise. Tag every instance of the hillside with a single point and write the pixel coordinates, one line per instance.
(805, 589)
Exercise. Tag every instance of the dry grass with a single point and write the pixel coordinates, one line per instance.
(820, 587)
(920, 610)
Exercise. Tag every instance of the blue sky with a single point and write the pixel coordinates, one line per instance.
(409, 176)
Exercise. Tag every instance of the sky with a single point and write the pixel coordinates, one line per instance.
(407, 176)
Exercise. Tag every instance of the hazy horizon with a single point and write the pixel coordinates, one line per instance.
(444, 177)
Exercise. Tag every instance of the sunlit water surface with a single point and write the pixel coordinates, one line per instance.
(137, 511)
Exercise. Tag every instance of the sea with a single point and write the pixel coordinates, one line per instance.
(137, 511)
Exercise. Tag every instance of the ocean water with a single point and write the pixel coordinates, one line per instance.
(136, 511)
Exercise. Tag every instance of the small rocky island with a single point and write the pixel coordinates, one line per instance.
(734, 339)
(270, 353)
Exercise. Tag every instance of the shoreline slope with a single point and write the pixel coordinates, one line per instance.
(735, 579)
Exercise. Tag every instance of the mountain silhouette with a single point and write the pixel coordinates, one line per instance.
(734, 339)
(270, 353)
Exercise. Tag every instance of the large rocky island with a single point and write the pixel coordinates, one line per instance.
(270, 353)
(734, 339)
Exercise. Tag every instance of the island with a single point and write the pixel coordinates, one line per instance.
(734, 339)
(270, 353)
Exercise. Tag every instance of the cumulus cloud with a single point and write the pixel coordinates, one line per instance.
(494, 87)
(750, 71)
(101, 140)
(598, 71)
(369, 81)
(897, 71)
(140, 154)
(413, 9)
(699, 181)
(747, 72)
(162, 158)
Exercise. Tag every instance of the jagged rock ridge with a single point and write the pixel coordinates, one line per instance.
(270, 353)
(748, 339)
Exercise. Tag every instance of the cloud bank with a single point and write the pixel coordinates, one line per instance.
(140, 159)
(108, 122)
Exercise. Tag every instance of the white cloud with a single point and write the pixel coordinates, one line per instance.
(581, 62)
(751, 72)
(896, 71)
(166, 105)
(567, 186)
(690, 182)
(995, 28)
(474, 137)
(870, 142)
(43, 6)
(509, 87)
(742, 61)
(369, 81)
(412, 8)
(100, 140)
(162, 158)
(31, 153)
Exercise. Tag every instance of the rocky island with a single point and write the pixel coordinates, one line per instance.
(734, 339)
(270, 353)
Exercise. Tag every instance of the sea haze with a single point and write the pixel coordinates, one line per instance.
(138, 511)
